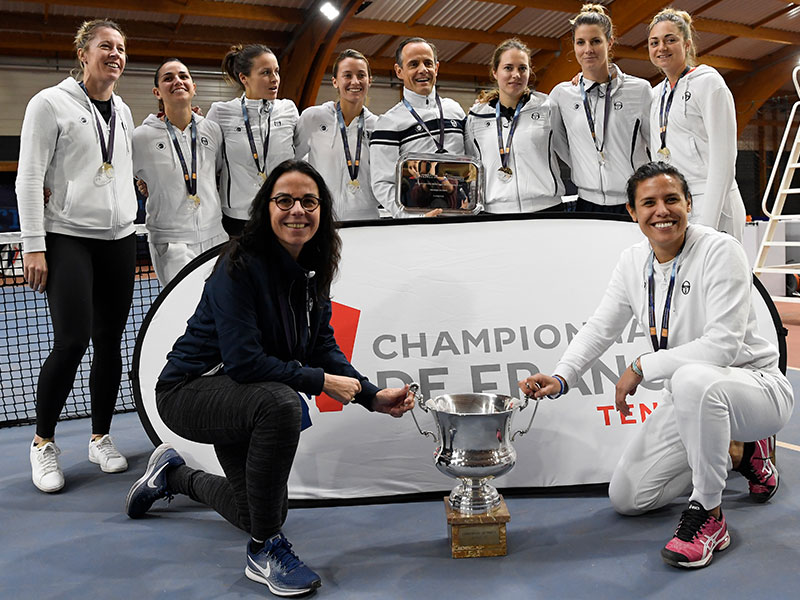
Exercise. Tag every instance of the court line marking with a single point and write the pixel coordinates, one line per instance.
(789, 446)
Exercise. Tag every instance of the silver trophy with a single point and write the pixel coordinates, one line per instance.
(473, 443)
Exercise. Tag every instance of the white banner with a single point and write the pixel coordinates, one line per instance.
(459, 307)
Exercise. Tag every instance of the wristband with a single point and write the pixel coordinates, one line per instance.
(560, 393)
(636, 368)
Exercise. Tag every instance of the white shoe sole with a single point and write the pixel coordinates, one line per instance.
(48, 490)
(258, 578)
(154, 457)
(104, 469)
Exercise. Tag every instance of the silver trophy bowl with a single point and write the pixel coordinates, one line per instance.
(473, 443)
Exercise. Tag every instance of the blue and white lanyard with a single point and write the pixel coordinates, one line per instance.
(588, 110)
(352, 165)
(505, 148)
(261, 170)
(189, 180)
(440, 142)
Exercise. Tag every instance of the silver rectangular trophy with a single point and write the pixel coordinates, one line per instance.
(450, 182)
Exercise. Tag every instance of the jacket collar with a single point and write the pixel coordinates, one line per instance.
(419, 101)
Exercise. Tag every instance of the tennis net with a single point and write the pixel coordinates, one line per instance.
(26, 337)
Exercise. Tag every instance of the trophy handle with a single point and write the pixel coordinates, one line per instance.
(419, 401)
(530, 423)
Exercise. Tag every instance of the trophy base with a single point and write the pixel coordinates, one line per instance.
(472, 536)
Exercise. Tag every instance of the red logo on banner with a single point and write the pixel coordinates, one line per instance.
(344, 321)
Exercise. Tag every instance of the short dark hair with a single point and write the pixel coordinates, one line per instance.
(398, 54)
(650, 170)
(321, 253)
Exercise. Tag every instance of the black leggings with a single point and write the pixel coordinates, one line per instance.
(254, 428)
(89, 293)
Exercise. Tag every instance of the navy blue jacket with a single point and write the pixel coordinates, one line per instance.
(263, 324)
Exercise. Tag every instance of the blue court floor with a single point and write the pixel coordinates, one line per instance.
(80, 544)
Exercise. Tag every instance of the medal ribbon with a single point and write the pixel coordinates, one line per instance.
(106, 151)
(440, 143)
(505, 149)
(252, 141)
(191, 182)
(660, 344)
(663, 111)
(588, 110)
(352, 165)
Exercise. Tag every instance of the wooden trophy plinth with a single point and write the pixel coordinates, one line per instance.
(472, 536)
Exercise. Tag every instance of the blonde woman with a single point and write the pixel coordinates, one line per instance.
(605, 115)
(693, 123)
(510, 129)
(80, 247)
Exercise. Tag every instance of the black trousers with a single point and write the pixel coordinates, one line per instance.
(89, 292)
(254, 428)
(590, 207)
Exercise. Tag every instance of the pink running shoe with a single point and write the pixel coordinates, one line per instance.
(760, 472)
(697, 536)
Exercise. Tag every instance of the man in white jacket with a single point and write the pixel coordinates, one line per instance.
(421, 122)
(721, 379)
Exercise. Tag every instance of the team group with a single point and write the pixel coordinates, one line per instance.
(276, 182)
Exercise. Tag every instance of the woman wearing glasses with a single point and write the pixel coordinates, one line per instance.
(260, 335)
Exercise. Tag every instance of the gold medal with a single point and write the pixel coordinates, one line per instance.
(262, 175)
(664, 153)
(601, 157)
(194, 201)
(505, 173)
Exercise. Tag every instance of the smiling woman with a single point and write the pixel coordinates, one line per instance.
(720, 378)
(334, 138)
(693, 123)
(260, 335)
(177, 155)
(76, 142)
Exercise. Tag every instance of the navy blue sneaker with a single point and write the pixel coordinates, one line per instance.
(152, 485)
(277, 567)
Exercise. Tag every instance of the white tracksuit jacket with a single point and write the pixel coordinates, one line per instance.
(701, 138)
(318, 140)
(625, 145)
(60, 150)
(169, 218)
(397, 133)
(536, 180)
(712, 320)
(240, 179)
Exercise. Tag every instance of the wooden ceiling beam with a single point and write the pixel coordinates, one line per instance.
(140, 49)
(195, 8)
(568, 6)
(766, 34)
(750, 93)
(137, 30)
(421, 12)
(375, 26)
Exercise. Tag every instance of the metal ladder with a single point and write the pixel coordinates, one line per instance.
(776, 216)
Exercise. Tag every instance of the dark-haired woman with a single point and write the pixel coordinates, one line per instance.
(260, 335)
(258, 129)
(177, 155)
(510, 129)
(80, 246)
(721, 378)
(334, 138)
(606, 116)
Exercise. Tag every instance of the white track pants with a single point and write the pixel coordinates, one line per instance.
(684, 443)
(169, 258)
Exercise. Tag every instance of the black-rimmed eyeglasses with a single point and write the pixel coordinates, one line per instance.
(309, 202)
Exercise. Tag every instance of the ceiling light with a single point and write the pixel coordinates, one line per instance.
(329, 10)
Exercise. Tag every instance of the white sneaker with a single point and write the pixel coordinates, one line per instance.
(45, 470)
(103, 452)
